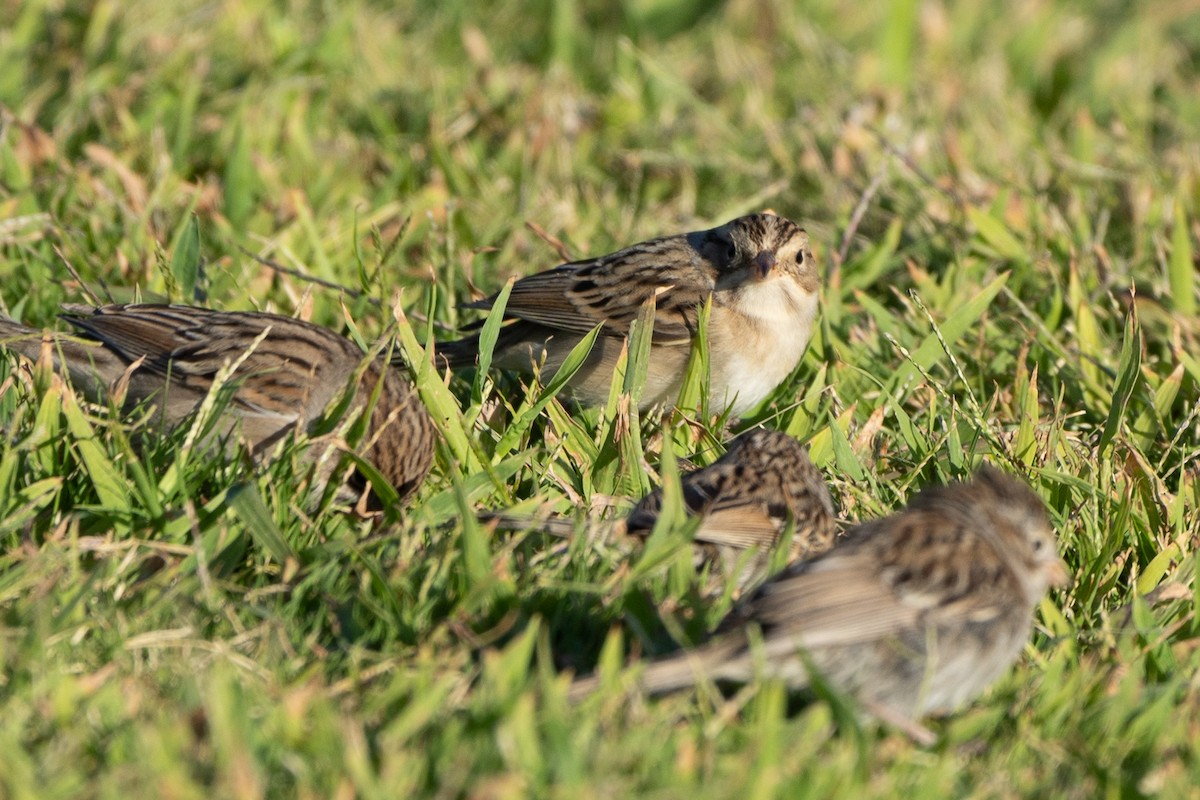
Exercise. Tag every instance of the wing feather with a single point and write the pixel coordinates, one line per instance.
(576, 297)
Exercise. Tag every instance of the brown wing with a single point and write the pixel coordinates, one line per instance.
(296, 368)
(835, 600)
(578, 296)
(547, 298)
(700, 490)
(732, 514)
(287, 377)
(888, 576)
(743, 526)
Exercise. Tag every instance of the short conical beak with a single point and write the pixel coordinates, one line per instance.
(764, 262)
(1057, 574)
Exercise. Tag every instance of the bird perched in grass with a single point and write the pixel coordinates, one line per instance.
(287, 373)
(914, 614)
(744, 503)
(758, 270)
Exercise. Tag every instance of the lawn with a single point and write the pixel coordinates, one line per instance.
(1005, 201)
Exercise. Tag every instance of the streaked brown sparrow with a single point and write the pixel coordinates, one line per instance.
(915, 613)
(744, 500)
(758, 270)
(288, 372)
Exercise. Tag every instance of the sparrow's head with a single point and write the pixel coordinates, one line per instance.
(1021, 516)
(1006, 512)
(767, 447)
(758, 248)
(782, 477)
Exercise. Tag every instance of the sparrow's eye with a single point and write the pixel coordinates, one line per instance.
(730, 251)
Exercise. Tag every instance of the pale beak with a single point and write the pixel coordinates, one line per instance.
(764, 262)
(1057, 574)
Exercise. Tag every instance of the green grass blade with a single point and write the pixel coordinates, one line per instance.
(571, 364)
(436, 395)
(997, 235)
(897, 38)
(238, 182)
(112, 489)
(487, 339)
(931, 351)
(693, 392)
(248, 504)
(446, 505)
(185, 259)
(1128, 373)
(1182, 265)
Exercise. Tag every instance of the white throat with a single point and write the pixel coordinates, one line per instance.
(760, 340)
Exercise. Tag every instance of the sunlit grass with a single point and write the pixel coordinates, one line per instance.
(1004, 200)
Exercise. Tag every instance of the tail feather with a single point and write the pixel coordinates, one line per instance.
(676, 672)
(689, 667)
(458, 353)
(20, 338)
(560, 527)
(92, 368)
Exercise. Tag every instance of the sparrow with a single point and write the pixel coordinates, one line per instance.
(758, 270)
(913, 614)
(288, 372)
(744, 501)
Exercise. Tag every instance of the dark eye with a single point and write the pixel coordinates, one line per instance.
(730, 251)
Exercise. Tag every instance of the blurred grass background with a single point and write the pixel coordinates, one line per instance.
(1004, 199)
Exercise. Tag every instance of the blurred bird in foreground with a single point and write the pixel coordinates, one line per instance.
(287, 372)
(758, 270)
(914, 614)
(744, 501)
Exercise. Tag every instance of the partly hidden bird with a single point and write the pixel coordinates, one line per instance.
(758, 271)
(287, 373)
(914, 614)
(744, 504)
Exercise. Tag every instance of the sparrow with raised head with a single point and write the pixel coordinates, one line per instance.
(167, 356)
(758, 270)
(745, 501)
(916, 613)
